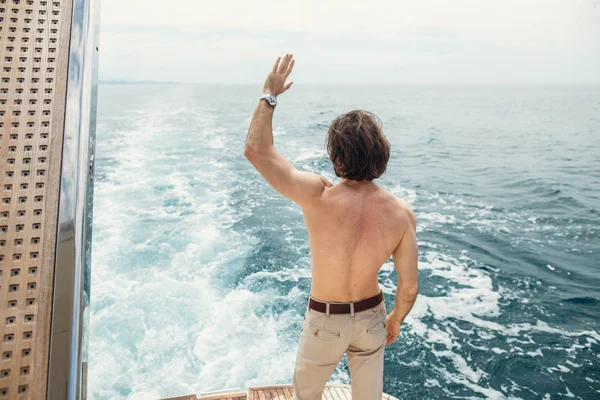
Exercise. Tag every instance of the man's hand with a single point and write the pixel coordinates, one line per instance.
(393, 328)
(275, 83)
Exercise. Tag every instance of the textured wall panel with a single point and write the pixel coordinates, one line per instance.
(34, 42)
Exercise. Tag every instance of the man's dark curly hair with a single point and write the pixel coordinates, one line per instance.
(357, 146)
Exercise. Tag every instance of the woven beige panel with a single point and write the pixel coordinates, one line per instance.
(34, 56)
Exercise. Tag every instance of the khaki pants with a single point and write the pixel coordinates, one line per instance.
(324, 340)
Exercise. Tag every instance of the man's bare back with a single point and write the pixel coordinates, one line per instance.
(353, 230)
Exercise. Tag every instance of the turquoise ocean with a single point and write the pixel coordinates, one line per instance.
(201, 271)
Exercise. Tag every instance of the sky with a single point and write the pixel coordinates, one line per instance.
(348, 41)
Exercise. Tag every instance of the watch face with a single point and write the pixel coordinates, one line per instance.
(272, 100)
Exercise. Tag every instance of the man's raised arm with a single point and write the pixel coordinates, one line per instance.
(302, 187)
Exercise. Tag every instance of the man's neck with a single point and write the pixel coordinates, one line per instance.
(354, 183)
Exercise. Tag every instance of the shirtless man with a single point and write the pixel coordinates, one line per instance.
(353, 228)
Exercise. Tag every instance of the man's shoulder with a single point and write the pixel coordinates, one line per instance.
(402, 208)
(407, 213)
(404, 205)
(397, 202)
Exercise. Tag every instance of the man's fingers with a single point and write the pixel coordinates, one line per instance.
(284, 63)
(286, 87)
(289, 70)
(276, 64)
(391, 337)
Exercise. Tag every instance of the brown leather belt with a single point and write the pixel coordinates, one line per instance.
(344, 308)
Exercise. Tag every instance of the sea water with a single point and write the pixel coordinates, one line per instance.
(201, 270)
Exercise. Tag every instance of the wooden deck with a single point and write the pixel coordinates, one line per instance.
(276, 392)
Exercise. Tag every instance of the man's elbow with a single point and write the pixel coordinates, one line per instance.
(253, 150)
(249, 152)
(409, 292)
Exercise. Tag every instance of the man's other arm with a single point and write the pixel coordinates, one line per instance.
(405, 258)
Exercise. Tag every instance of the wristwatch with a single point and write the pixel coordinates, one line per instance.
(272, 100)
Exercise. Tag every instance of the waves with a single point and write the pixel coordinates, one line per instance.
(201, 271)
